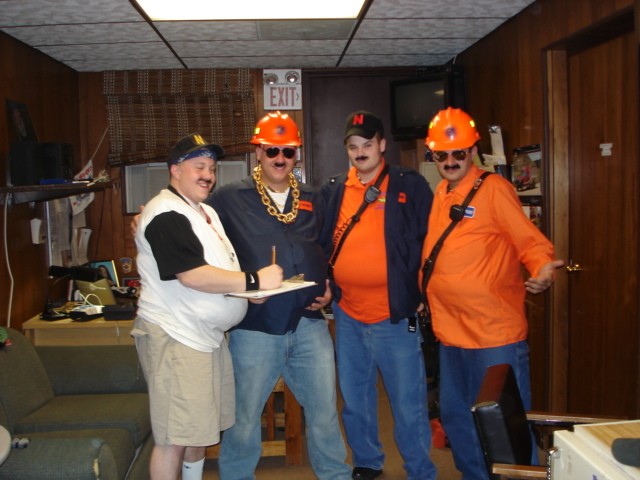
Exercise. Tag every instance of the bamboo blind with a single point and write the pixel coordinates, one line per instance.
(149, 110)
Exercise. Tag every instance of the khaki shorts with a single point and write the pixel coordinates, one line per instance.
(191, 393)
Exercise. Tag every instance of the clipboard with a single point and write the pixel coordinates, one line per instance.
(287, 286)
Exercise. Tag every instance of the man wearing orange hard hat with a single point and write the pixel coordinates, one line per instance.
(475, 292)
(271, 217)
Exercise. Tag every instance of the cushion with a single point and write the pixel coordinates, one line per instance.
(128, 411)
(24, 384)
(93, 369)
(79, 456)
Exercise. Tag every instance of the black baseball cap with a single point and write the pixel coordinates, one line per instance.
(190, 144)
(363, 124)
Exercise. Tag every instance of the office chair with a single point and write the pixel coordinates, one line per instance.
(504, 427)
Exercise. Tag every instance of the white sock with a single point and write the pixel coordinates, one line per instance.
(192, 470)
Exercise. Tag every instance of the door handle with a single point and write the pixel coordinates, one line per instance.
(572, 267)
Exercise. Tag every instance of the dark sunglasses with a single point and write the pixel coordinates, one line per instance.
(459, 155)
(272, 152)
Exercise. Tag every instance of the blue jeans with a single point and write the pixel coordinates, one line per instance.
(305, 359)
(363, 349)
(461, 374)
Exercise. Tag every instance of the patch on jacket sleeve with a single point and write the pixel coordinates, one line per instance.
(402, 197)
(306, 205)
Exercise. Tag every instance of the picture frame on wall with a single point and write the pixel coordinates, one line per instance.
(526, 170)
(18, 114)
(107, 269)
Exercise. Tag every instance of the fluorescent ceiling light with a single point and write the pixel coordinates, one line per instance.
(164, 10)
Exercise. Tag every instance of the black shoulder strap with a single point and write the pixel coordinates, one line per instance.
(456, 214)
(370, 196)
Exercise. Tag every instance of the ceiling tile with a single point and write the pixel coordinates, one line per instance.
(135, 51)
(94, 35)
(264, 61)
(305, 30)
(248, 48)
(84, 33)
(393, 46)
(398, 60)
(65, 12)
(446, 8)
(427, 28)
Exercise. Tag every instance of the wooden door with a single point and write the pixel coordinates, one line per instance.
(602, 278)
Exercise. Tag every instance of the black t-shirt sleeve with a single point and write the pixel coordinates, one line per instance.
(175, 246)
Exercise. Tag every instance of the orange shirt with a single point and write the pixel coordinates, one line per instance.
(476, 292)
(361, 267)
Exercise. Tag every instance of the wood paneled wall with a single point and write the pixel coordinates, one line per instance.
(505, 85)
(50, 92)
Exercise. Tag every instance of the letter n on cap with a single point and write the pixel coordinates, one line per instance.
(358, 119)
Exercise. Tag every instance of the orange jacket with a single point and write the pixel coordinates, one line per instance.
(476, 291)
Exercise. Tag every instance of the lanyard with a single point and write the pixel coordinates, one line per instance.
(370, 195)
(232, 255)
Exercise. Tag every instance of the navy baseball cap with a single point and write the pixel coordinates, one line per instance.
(192, 146)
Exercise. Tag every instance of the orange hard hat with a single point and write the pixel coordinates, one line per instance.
(451, 129)
(276, 129)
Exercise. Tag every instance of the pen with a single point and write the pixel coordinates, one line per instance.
(273, 254)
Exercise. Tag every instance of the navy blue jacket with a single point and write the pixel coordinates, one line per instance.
(406, 214)
(253, 231)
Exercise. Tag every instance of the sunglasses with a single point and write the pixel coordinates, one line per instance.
(459, 155)
(287, 152)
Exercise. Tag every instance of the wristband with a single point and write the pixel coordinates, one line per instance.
(253, 282)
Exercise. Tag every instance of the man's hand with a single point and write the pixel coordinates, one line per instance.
(322, 301)
(545, 278)
(270, 277)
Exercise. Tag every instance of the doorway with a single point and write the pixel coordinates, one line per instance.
(592, 100)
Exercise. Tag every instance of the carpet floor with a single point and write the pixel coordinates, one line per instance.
(274, 468)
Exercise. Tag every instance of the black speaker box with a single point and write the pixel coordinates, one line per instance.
(57, 161)
(25, 163)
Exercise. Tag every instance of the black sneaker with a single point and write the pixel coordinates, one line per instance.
(364, 473)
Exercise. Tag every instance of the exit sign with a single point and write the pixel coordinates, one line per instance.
(283, 97)
(281, 91)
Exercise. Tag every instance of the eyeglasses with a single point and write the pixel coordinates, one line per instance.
(287, 152)
(459, 155)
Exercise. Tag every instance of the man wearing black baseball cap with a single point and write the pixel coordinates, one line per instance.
(186, 264)
(377, 220)
(363, 124)
(193, 146)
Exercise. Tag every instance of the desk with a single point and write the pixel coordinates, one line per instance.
(5, 444)
(586, 452)
(67, 332)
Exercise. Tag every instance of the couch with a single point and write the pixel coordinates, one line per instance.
(83, 409)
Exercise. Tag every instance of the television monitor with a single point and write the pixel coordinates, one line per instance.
(414, 101)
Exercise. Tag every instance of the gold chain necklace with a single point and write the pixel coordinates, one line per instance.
(268, 201)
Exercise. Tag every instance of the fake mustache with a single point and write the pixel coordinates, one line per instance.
(362, 157)
(451, 167)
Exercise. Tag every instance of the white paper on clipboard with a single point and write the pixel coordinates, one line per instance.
(284, 288)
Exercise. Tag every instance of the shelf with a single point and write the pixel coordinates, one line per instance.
(39, 193)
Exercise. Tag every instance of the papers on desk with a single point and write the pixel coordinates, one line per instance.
(287, 286)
